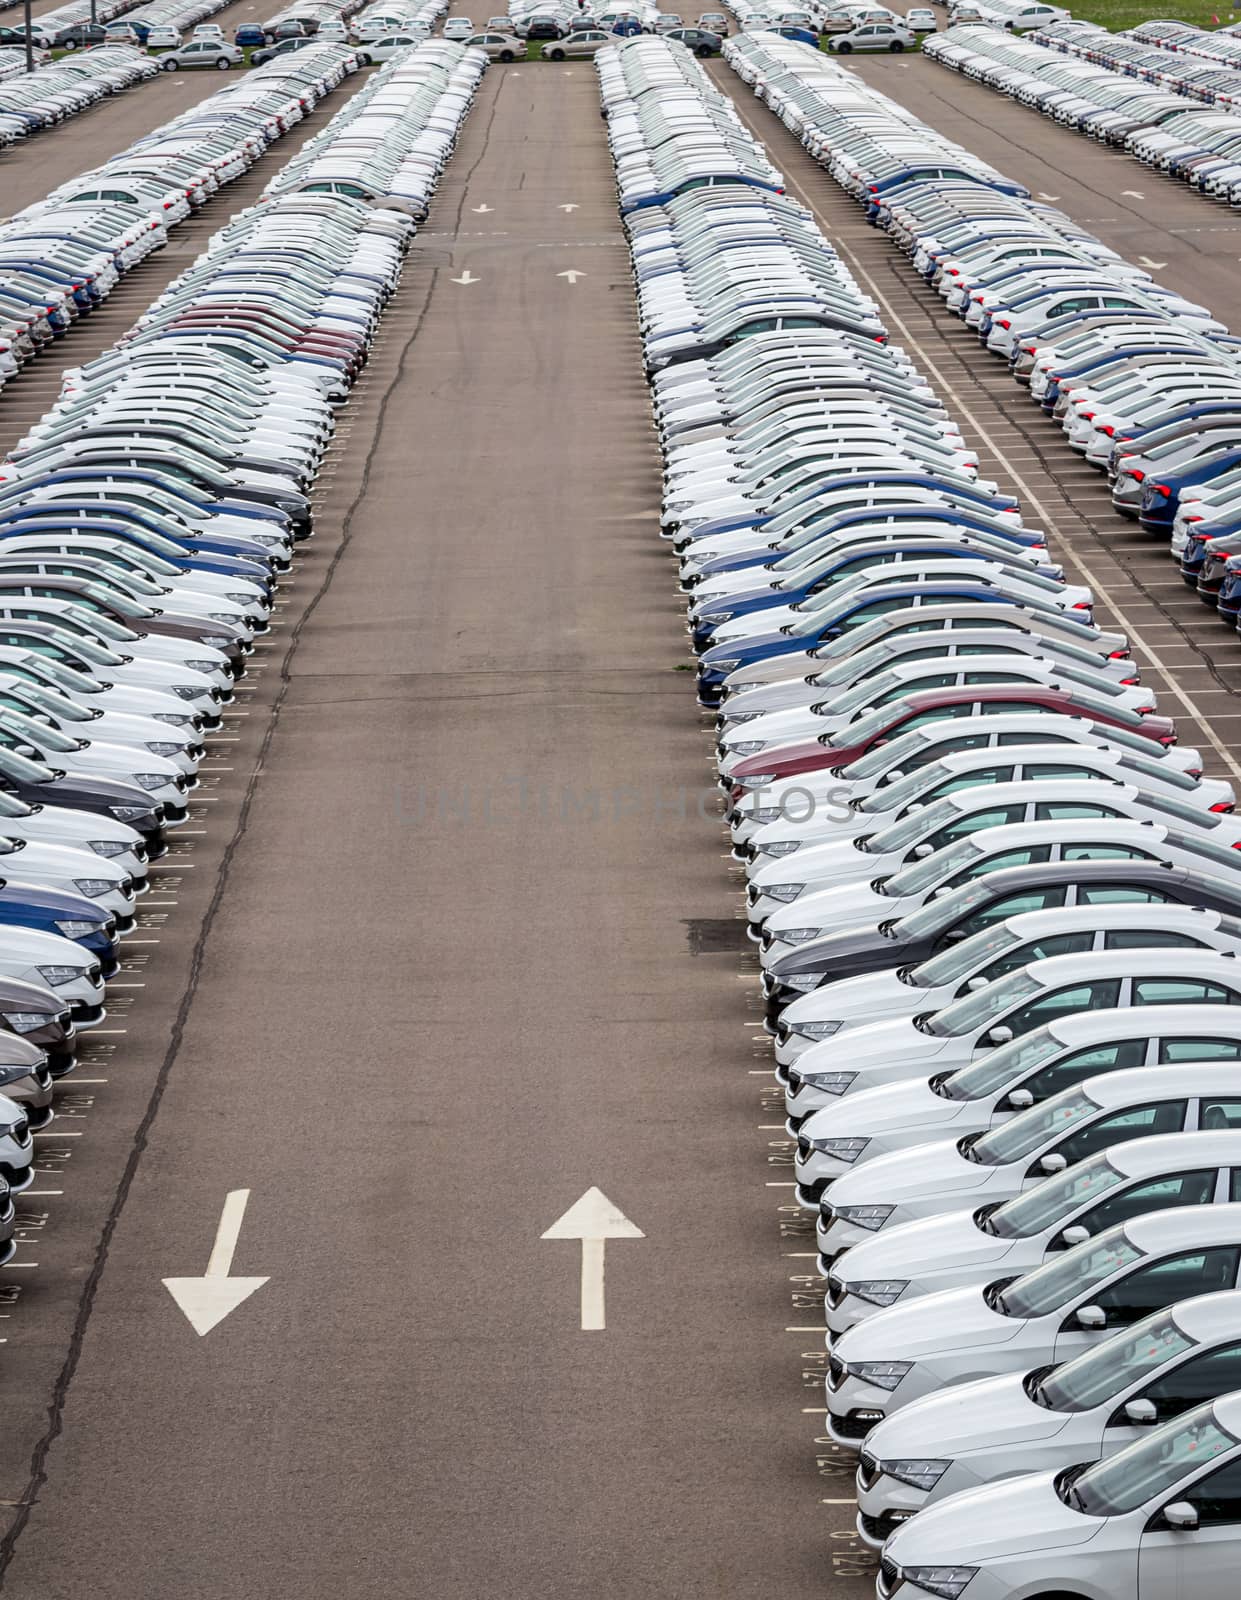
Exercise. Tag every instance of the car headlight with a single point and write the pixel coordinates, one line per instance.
(57, 977)
(129, 813)
(151, 780)
(883, 1292)
(782, 847)
(801, 982)
(92, 888)
(242, 600)
(784, 892)
(228, 617)
(815, 1030)
(175, 719)
(163, 747)
(757, 780)
(74, 929)
(107, 847)
(847, 1150)
(204, 666)
(881, 1374)
(918, 1472)
(184, 692)
(794, 935)
(723, 666)
(746, 747)
(710, 618)
(946, 1581)
(217, 642)
(27, 1021)
(764, 814)
(872, 1218)
(829, 1082)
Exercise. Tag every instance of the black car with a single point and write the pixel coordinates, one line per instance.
(545, 28)
(981, 903)
(80, 36)
(699, 40)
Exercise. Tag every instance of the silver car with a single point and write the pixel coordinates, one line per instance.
(216, 53)
(576, 45)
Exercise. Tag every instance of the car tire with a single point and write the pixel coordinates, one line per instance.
(844, 47)
(223, 63)
(555, 55)
(507, 55)
(701, 51)
(365, 60)
(895, 48)
(70, 44)
(169, 65)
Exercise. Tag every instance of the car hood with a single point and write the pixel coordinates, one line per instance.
(949, 1240)
(935, 1168)
(937, 1324)
(872, 1044)
(890, 1106)
(871, 994)
(839, 908)
(965, 1418)
(1003, 1520)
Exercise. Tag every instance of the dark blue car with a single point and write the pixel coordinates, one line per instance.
(72, 916)
(1160, 497)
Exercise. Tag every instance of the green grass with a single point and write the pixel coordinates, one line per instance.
(1119, 14)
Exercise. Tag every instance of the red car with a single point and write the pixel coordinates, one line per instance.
(935, 705)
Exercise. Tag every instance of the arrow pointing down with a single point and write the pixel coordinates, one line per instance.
(206, 1301)
(480, 209)
(572, 275)
(466, 277)
(1145, 261)
(593, 1219)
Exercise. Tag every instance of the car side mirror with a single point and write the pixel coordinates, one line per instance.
(1091, 1317)
(1000, 1035)
(976, 983)
(1075, 1234)
(893, 775)
(921, 851)
(1052, 1163)
(1020, 1100)
(1142, 1414)
(1181, 1516)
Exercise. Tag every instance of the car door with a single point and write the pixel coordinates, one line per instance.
(1199, 1563)
(1149, 1286)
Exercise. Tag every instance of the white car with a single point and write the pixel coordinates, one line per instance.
(958, 1248)
(921, 19)
(458, 28)
(1083, 1410)
(1010, 1325)
(987, 1169)
(967, 965)
(1160, 1519)
(164, 37)
(59, 964)
(889, 36)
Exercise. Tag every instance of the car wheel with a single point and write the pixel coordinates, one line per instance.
(367, 61)
(701, 50)
(844, 47)
(169, 65)
(555, 55)
(506, 55)
(70, 44)
(895, 47)
(223, 63)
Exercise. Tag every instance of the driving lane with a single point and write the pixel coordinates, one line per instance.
(473, 950)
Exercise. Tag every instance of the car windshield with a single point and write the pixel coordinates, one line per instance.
(1013, 1141)
(886, 758)
(867, 728)
(937, 866)
(959, 960)
(976, 1010)
(1048, 1203)
(864, 693)
(1110, 1368)
(942, 913)
(924, 820)
(1057, 1283)
(997, 1069)
(1150, 1469)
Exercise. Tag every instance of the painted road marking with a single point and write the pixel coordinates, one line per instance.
(593, 1219)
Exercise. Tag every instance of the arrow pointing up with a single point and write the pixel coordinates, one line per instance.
(1134, 194)
(466, 277)
(593, 1219)
(206, 1301)
(568, 208)
(572, 275)
(480, 209)
(1043, 196)
(1145, 261)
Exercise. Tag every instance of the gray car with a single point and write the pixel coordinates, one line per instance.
(498, 46)
(576, 45)
(216, 53)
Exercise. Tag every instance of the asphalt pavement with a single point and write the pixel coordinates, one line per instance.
(455, 944)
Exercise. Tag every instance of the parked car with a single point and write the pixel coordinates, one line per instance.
(202, 53)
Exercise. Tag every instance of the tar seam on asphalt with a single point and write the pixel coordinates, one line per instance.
(60, 1392)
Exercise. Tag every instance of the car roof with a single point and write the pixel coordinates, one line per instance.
(1156, 1231)
(1141, 1158)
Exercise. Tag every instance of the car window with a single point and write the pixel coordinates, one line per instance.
(1112, 894)
(1158, 1194)
(1081, 1064)
(1031, 856)
(1201, 1378)
(1011, 906)
(1217, 1497)
(1104, 852)
(1163, 1283)
(1061, 944)
(1150, 939)
(1219, 1115)
(1180, 992)
(1070, 811)
(975, 823)
(1174, 1050)
(1166, 1117)
(1102, 995)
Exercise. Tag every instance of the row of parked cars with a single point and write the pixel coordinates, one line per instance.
(145, 522)
(40, 99)
(1143, 382)
(1137, 56)
(1157, 115)
(62, 256)
(996, 903)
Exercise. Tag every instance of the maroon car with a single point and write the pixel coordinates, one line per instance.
(936, 705)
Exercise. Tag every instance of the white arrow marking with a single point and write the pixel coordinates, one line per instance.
(1145, 261)
(209, 1299)
(1134, 194)
(466, 277)
(572, 276)
(593, 1219)
(568, 208)
(1048, 196)
(480, 209)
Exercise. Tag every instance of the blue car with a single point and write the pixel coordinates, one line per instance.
(72, 916)
(1161, 498)
(248, 35)
(789, 30)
